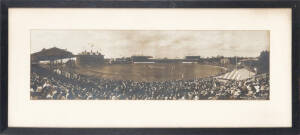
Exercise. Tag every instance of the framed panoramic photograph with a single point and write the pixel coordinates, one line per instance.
(147, 67)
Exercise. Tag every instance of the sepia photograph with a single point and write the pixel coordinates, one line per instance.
(149, 64)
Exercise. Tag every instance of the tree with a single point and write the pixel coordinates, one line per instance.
(264, 62)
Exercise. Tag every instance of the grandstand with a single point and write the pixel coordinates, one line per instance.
(90, 58)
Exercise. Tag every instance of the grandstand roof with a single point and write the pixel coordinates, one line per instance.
(51, 54)
(237, 74)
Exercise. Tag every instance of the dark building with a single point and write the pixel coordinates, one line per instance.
(192, 59)
(90, 58)
(249, 62)
(141, 58)
(124, 60)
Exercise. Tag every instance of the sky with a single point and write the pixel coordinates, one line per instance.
(156, 43)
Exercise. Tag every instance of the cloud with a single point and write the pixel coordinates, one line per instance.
(156, 43)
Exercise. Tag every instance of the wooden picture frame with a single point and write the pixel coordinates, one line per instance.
(6, 4)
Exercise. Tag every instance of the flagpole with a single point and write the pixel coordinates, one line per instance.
(235, 62)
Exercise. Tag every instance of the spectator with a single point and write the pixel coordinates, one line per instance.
(50, 85)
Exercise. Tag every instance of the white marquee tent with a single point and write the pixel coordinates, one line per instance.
(237, 74)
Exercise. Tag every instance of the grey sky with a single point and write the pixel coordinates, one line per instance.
(160, 44)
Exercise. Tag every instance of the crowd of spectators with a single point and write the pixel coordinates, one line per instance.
(50, 85)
